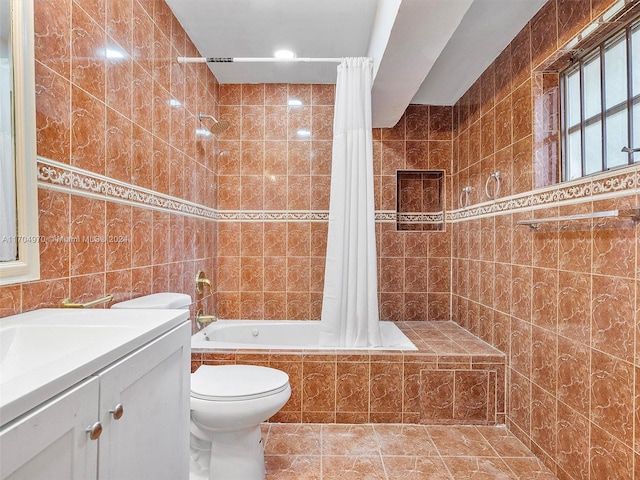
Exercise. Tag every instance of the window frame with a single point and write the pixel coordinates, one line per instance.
(578, 65)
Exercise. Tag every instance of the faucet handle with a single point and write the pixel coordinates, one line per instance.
(201, 282)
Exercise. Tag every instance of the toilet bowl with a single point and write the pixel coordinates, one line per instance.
(228, 404)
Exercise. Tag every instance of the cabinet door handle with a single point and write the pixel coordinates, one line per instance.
(94, 430)
(117, 411)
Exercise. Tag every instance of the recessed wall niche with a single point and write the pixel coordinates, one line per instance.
(420, 200)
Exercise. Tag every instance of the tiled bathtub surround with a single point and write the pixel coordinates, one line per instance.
(112, 103)
(276, 158)
(454, 378)
(561, 301)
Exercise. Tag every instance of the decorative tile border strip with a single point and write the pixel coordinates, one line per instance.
(426, 217)
(387, 216)
(66, 178)
(600, 187)
(292, 216)
(58, 176)
(272, 216)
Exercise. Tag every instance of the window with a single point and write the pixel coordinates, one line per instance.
(601, 106)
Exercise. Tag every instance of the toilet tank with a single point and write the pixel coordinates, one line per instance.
(166, 301)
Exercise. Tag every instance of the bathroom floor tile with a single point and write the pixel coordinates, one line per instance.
(457, 441)
(293, 467)
(341, 439)
(361, 467)
(416, 468)
(529, 469)
(502, 441)
(478, 468)
(404, 440)
(293, 439)
(310, 451)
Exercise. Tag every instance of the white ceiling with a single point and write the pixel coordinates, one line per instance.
(424, 51)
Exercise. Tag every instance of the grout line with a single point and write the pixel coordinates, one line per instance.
(439, 454)
(321, 452)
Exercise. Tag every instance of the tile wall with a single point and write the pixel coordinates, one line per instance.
(562, 301)
(275, 161)
(116, 125)
(420, 194)
(414, 267)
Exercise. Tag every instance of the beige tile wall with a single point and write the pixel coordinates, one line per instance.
(277, 158)
(132, 118)
(562, 301)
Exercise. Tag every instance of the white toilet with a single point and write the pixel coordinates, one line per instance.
(162, 301)
(228, 404)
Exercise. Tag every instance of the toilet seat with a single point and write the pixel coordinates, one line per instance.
(225, 383)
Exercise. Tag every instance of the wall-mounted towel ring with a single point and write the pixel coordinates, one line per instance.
(465, 197)
(496, 192)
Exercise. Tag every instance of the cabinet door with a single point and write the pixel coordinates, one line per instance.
(151, 438)
(51, 442)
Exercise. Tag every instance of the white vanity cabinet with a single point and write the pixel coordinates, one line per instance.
(151, 438)
(148, 390)
(50, 442)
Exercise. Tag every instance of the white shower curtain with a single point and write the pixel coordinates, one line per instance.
(350, 303)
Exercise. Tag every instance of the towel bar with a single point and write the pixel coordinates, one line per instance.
(632, 213)
(67, 303)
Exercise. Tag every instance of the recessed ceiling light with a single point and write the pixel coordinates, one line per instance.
(284, 54)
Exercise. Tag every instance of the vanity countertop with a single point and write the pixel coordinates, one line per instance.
(44, 352)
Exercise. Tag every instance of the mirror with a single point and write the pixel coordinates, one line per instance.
(420, 200)
(19, 251)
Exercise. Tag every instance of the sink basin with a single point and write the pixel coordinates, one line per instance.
(47, 351)
(29, 347)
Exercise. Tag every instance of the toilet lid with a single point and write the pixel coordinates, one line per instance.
(161, 300)
(236, 382)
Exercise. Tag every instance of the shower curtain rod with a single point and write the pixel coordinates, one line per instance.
(256, 59)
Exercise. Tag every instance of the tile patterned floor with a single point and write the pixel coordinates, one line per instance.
(397, 452)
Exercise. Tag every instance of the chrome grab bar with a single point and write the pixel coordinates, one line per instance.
(67, 303)
(632, 213)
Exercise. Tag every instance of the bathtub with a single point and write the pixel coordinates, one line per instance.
(283, 335)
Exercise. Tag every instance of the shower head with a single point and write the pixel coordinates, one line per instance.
(218, 126)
